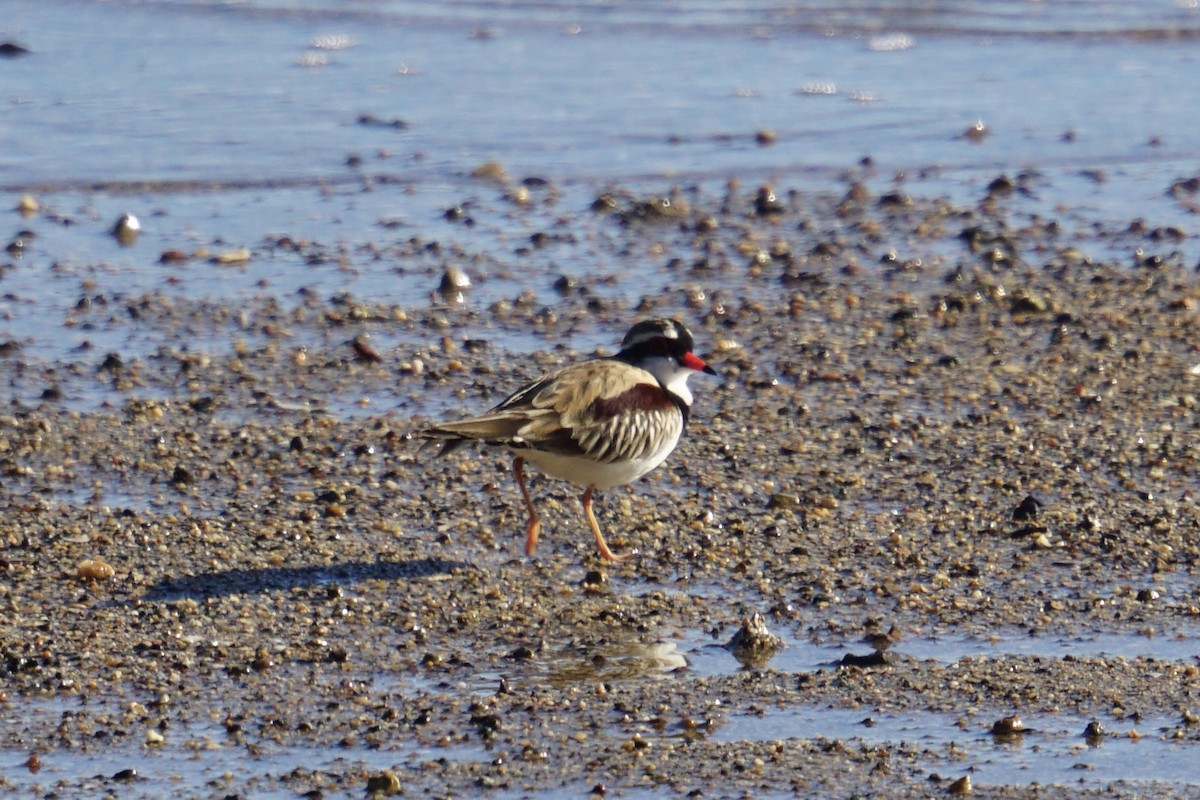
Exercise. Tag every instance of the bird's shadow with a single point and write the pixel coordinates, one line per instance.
(219, 583)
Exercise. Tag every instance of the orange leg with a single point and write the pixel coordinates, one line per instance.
(534, 529)
(603, 545)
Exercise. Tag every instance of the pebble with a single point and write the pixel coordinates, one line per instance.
(94, 569)
(491, 171)
(754, 644)
(961, 787)
(976, 133)
(385, 783)
(1008, 727)
(454, 283)
(237, 255)
(126, 229)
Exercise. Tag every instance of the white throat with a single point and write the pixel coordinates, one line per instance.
(671, 375)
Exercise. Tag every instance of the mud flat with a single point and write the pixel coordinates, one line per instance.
(952, 460)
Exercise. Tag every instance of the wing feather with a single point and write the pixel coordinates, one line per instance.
(604, 410)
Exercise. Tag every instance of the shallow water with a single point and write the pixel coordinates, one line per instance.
(229, 125)
(801, 655)
(695, 655)
(262, 92)
(1053, 752)
(201, 759)
(199, 763)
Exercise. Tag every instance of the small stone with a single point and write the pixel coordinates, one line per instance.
(882, 640)
(370, 120)
(363, 351)
(753, 644)
(766, 203)
(238, 255)
(783, 500)
(521, 653)
(454, 282)
(112, 361)
(93, 569)
(594, 581)
(976, 133)
(1001, 185)
(1029, 508)
(876, 658)
(518, 195)
(1008, 727)
(126, 229)
(486, 724)
(960, 787)
(490, 171)
(385, 783)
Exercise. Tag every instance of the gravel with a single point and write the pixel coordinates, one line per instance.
(932, 420)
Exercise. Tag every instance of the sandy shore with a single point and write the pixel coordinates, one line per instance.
(933, 420)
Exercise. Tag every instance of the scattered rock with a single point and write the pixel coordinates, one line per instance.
(126, 229)
(372, 121)
(976, 133)
(454, 283)
(754, 644)
(94, 569)
(384, 783)
(1009, 728)
(1028, 509)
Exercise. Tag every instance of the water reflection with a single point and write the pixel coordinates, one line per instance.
(615, 661)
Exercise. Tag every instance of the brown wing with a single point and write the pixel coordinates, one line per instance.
(607, 411)
(604, 409)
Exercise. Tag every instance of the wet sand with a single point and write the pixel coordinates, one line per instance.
(932, 420)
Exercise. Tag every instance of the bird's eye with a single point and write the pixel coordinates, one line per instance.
(657, 346)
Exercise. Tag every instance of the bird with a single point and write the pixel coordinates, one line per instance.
(597, 423)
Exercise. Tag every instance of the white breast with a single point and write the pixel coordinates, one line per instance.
(602, 475)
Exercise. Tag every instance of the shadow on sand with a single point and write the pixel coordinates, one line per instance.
(266, 579)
